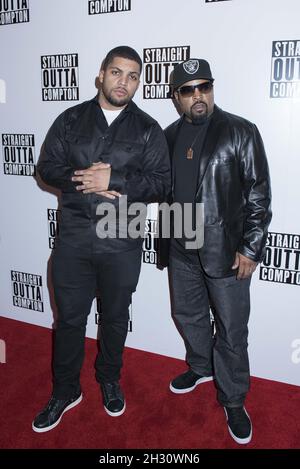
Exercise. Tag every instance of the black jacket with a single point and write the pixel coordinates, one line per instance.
(234, 186)
(134, 145)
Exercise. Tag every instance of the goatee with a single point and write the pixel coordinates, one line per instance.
(199, 118)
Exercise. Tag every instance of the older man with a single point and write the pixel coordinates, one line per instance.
(218, 159)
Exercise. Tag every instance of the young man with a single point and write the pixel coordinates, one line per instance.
(99, 151)
(218, 159)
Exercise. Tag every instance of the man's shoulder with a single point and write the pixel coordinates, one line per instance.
(237, 121)
(173, 125)
(171, 128)
(77, 109)
(238, 127)
(142, 115)
(72, 113)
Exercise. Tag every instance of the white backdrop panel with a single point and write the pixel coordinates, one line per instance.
(236, 37)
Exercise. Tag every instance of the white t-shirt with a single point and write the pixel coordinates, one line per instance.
(110, 116)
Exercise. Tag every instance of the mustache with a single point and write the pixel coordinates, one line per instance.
(120, 88)
(199, 102)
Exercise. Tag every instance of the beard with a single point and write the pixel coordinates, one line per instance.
(117, 102)
(197, 117)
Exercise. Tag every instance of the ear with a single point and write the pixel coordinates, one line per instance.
(101, 76)
(176, 96)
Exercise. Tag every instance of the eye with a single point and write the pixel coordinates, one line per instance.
(133, 77)
(115, 72)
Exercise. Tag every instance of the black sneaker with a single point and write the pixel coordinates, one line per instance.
(239, 424)
(187, 382)
(51, 415)
(113, 399)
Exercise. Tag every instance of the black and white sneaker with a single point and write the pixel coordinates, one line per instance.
(113, 399)
(239, 424)
(51, 415)
(187, 382)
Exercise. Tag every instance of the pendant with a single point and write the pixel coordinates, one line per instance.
(189, 154)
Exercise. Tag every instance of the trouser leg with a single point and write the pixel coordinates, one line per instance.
(117, 279)
(190, 310)
(74, 283)
(230, 299)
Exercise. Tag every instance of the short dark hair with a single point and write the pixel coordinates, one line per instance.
(122, 51)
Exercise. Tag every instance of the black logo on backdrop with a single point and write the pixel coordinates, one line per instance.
(158, 64)
(281, 263)
(14, 11)
(98, 314)
(149, 245)
(285, 71)
(27, 291)
(18, 154)
(97, 7)
(213, 1)
(53, 216)
(60, 77)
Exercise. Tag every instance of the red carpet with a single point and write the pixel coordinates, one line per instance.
(154, 418)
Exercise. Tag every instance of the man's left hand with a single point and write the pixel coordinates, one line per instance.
(94, 179)
(245, 265)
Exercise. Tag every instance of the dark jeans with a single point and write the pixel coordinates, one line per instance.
(77, 275)
(193, 292)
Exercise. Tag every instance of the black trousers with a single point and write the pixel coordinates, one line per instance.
(226, 357)
(77, 275)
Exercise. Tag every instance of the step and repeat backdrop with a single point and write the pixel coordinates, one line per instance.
(51, 52)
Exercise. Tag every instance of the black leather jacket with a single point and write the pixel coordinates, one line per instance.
(234, 186)
(134, 145)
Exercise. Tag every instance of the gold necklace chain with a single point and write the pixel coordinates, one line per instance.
(190, 151)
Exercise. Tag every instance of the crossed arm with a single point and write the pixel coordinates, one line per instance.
(151, 183)
(95, 179)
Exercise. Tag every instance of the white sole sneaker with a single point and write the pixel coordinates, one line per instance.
(47, 429)
(204, 379)
(115, 414)
(240, 441)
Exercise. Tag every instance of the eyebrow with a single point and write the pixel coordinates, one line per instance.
(120, 70)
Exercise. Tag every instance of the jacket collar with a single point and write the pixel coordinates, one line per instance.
(210, 141)
(93, 123)
(131, 106)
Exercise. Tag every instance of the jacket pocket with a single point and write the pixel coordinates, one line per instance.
(73, 137)
(222, 160)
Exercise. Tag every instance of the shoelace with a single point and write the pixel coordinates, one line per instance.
(236, 415)
(54, 403)
(112, 391)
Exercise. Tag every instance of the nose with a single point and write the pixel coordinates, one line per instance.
(123, 80)
(197, 93)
